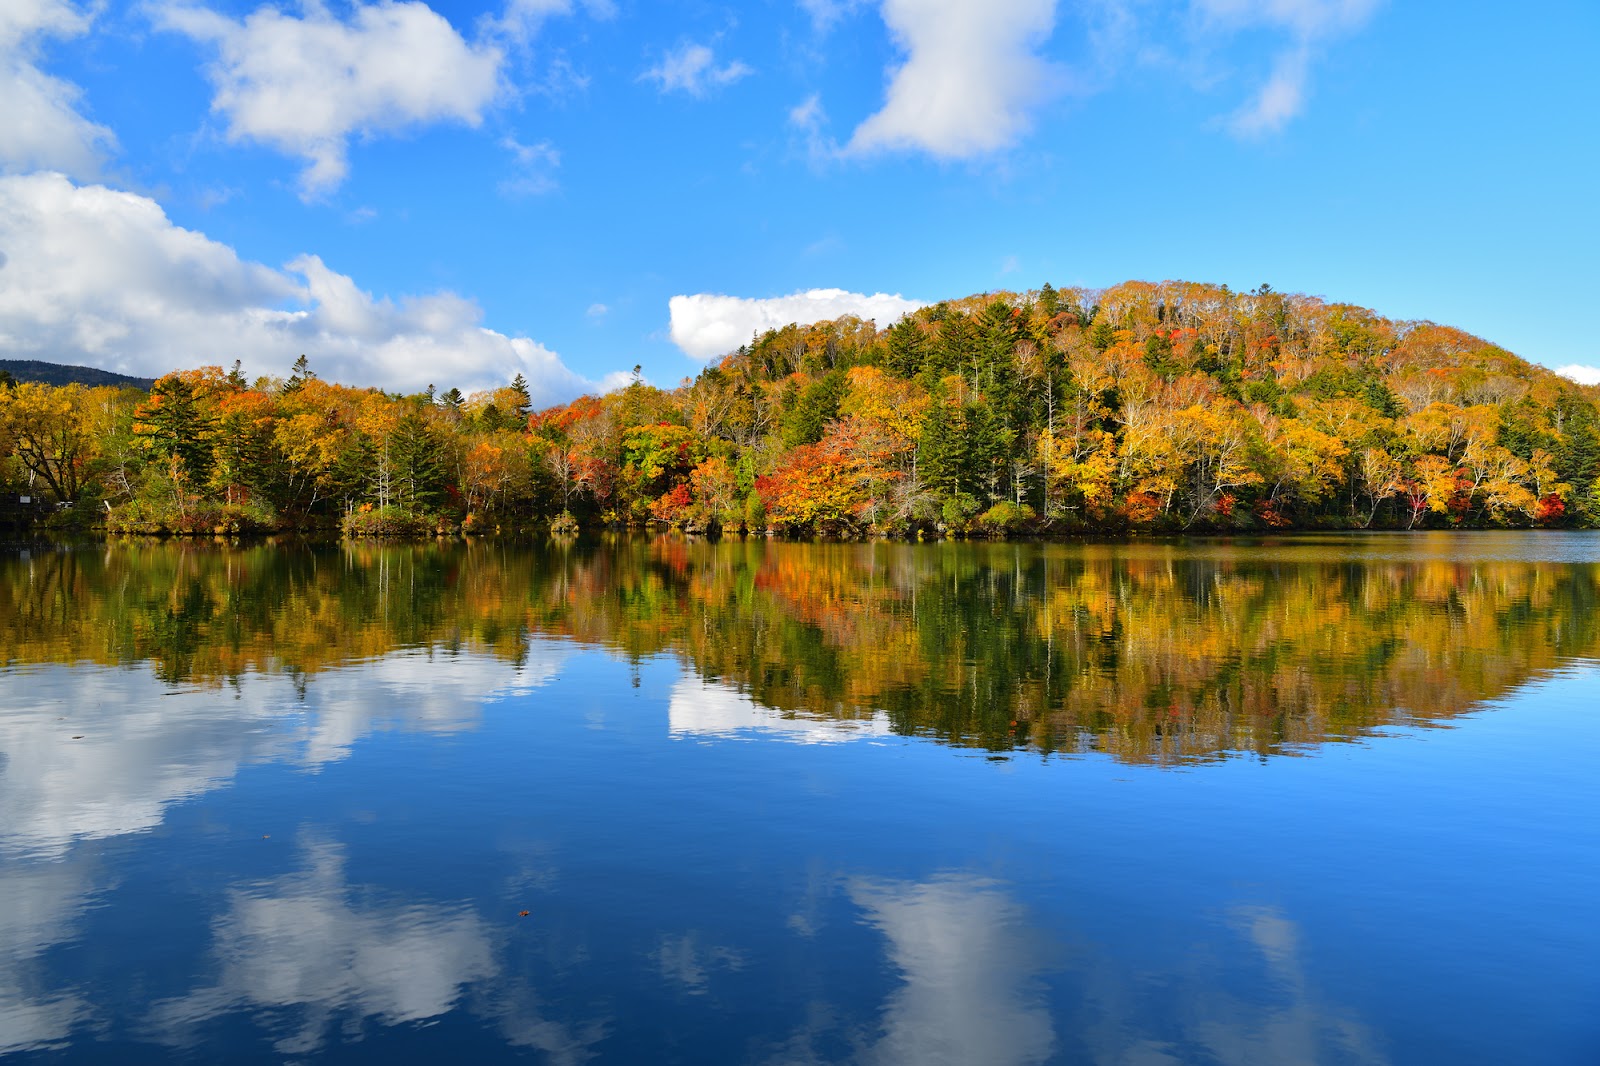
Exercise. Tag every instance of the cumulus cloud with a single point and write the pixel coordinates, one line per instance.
(705, 325)
(692, 68)
(1583, 375)
(305, 85)
(1308, 24)
(39, 122)
(971, 76)
(97, 276)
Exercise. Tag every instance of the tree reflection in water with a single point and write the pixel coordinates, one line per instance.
(142, 679)
(1151, 651)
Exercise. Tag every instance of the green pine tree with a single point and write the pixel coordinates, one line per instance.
(419, 463)
(176, 429)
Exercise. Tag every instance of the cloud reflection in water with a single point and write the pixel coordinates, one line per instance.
(146, 745)
(970, 968)
(706, 708)
(310, 949)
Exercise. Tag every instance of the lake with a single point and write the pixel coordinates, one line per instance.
(1319, 799)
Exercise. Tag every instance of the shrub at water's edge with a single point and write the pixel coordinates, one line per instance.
(388, 522)
(1172, 407)
(204, 519)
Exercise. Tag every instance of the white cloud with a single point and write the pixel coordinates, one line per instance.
(970, 78)
(522, 18)
(706, 325)
(1279, 101)
(809, 118)
(1583, 375)
(692, 68)
(306, 85)
(536, 165)
(1308, 23)
(598, 310)
(825, 14)
(1306, 18)
(97, 276)
(808, 113)
(39, 122)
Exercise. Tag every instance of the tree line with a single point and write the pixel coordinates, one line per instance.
(1174, 406)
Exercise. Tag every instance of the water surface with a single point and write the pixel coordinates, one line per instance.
(1317, 799)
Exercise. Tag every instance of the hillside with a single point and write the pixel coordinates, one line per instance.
(1176, 407)
(1172, 406)
(61, 374)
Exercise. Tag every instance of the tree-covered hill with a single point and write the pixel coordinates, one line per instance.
(1173, 406)
(61, 374)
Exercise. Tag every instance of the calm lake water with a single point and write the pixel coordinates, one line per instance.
(1310, 800)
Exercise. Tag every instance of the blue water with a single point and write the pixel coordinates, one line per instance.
(283, 869)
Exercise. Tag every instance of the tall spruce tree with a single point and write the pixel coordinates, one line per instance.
(175, 428)
(299, 374)
(419, 463)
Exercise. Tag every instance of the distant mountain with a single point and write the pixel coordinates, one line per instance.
(58, 374)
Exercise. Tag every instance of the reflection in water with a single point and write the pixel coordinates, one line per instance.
(690, 892)
(89, 753)
(313, 959)
(1152, 651)
(1300, 1027)
(314, 952)
(95, 753)
(519, 1016)
(710, 709)
(969, 965)
(689, 964)
(43, 904)
(974, 969)
(1201, 1015)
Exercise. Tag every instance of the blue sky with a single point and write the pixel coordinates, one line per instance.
(450, 194)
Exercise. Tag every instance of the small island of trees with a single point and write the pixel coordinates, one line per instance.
(1143, 407)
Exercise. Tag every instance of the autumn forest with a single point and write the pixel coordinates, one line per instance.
(1160, 407)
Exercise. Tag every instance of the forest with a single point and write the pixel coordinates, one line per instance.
(1169, 407)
